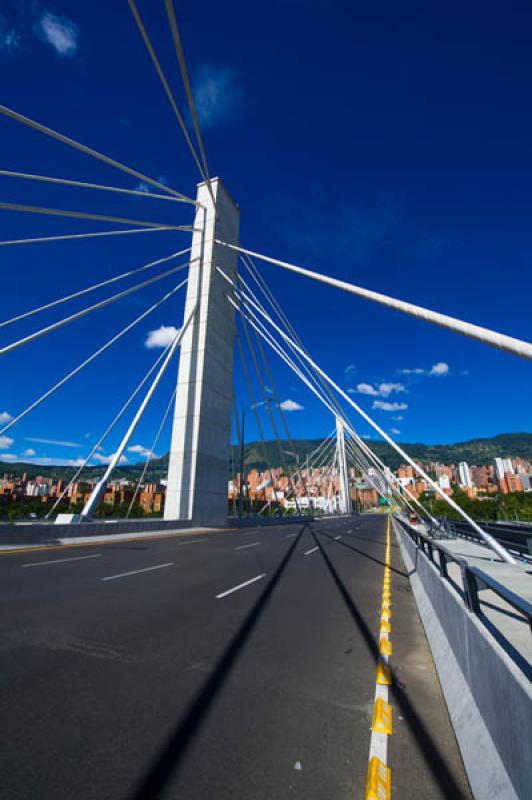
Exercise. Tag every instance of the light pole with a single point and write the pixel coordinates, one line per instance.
(241, 493)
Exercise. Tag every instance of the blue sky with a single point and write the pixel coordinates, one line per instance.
(385, 144)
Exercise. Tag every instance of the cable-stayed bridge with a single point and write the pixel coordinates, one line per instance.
(281, 659)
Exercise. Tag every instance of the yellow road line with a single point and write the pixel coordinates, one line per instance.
(379, 780)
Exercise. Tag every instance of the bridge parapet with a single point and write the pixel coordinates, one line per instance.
(476, 612)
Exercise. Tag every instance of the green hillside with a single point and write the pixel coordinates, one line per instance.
(475, 451)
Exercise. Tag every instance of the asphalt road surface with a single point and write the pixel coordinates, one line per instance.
(223, 665)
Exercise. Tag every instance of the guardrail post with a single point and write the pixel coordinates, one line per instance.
(471, 589)
(443, 564)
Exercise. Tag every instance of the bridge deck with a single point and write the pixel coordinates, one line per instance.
(149, 683)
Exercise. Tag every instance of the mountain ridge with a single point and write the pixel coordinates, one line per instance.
(480, 450)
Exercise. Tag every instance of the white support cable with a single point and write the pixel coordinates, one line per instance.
(362, 464)
(108, 430)
(490, 540)
(108, 300)
(174, 29)
(277, 401)
(152, 451)
(265, 334)
(41, 239)
(90, 358)
(381, 468)
(500, 340)
(61, 212)
(8, 112)
(99, 489)
(325, 456)
(94, 286)
(266, 402)
(332, 409)
(335, 409)
(263, 286)
(166, 86)
(315, 451)
(6, 173)
(254, 406)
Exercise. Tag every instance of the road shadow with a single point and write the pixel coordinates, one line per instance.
(167, 762)
(433, 756)
(362, 553)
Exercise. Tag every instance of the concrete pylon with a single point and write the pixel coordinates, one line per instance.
(345, 500)
(199, 451)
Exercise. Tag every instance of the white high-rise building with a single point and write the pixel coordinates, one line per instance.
(444, 482)
(499, 464)
(464, 476)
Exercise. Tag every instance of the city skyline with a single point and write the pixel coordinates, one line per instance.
(419, 207)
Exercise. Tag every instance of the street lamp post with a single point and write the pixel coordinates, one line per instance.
(241, 493)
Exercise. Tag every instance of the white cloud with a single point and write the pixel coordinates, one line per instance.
(398, 417)
(386, 389)
(5, 442)
(382, 390)
(382, 405)
(366, 388)
(29, 452)
(8, 457)
(52, 441)
(4, 417)
(142, 451)
(10, 40)
(395, 430)
(59, 32)
(216, 94)
(441, 368)
(161, 337)
(107, 459)
(350, 371)
(291, 405)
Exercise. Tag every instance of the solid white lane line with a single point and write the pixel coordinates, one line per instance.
(336, 538)
(243, 546)
(59, 561)
(311, 551)
(192, 541)
(240, 586)
(137, 571)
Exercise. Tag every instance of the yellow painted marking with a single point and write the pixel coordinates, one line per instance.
(379, 781)
(386, 627)
(385, 646)
(386, 616)
(384, 675)
(382, 716)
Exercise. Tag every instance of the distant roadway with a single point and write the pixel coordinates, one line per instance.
(214, 666)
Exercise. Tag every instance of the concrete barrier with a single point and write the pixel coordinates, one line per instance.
(48, 533)
(487, 695)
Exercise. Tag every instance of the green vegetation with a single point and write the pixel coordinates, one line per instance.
(486, 508)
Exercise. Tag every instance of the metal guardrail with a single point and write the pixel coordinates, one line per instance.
(474, 580)
(516, 539)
